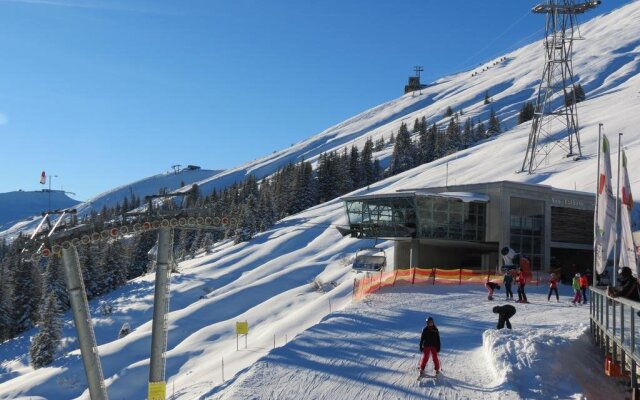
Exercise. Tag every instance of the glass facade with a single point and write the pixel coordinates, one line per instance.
(447, 218)
(420, 216)
(527, 229)
(382, 217)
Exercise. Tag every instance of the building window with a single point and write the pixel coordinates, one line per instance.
(452, 219)
(382, 217)
(527, 229)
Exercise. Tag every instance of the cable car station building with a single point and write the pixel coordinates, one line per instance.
(465, 226)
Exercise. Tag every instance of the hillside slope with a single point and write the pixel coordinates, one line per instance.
(268, 281)
(20, 204)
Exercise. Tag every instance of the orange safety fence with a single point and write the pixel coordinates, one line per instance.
(375, 281)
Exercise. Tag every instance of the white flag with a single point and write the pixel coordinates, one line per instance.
(627, 247)
(606, 212)
(43, 178)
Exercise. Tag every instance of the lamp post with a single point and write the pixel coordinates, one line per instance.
(50, 178)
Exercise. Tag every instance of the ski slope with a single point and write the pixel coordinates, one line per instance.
(269, 280)
(370, 351)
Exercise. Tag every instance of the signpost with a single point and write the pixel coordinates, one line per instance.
(242, 328)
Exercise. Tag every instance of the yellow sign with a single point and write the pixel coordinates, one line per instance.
(157, 391)
(242, 328)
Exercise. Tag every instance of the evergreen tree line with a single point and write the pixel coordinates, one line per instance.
(435, 141)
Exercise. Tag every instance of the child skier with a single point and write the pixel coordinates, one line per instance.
(491, 286)
(507, 281)
(521, 280)
(553, 287)
(577, 297)
(504, 313)
(430, 344)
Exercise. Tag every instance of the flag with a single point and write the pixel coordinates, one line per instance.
(43, 178)
(627, 247)
(605, 232)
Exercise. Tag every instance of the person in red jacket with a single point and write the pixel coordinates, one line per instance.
(430, 345)
(521, 280)
(584, 284)
(553, 287)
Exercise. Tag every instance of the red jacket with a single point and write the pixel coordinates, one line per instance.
(584, 281)
(553, 283)
(521, 279)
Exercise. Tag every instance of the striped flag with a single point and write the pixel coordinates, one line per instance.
(605, 234)
(627, 247)
(43, 178)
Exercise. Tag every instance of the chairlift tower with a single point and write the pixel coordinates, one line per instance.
(556, 99)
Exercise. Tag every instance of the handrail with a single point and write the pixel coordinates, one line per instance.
(613, 326)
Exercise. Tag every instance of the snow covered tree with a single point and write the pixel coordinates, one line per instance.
(404, 154)
(115, 265)
(25, 298)
(526, 112)
(45, 343)
(366, 163)
(55, 282)
(448, 112)
(494, 124)
(487, 99)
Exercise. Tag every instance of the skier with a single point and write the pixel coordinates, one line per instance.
(504, 313)
(584, 284)
(430, 344)
(577, 297)
(507, 280)
(491, 286)
(521, 280)
(553, 287)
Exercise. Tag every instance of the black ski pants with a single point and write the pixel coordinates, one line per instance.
(504, 319)
(551, 290)
(521, 295)
(507, 288)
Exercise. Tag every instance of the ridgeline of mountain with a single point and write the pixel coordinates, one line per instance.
(21, 204)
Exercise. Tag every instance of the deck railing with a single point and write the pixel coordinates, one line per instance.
(615, 326)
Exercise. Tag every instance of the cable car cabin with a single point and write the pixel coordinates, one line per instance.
(369, 259)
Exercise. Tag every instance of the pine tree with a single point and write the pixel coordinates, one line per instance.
(47, 340)
(580, 94)
(487, 100)
(24, 302)
(366, 163)
(403, 156)
(115, 265)
(139, 259)
(467, 133)
(379, 144)
(416, 126)
(480, 131)
(494, 124)
(55, 283)
(355, 171)
(526, 112)
(453, 137)
(448, 112)
(422, 147)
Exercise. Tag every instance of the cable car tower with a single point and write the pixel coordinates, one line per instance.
(556, 93)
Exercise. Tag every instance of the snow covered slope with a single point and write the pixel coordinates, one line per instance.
(370, 351)
(268, 281)
(21, 204)
(110, 198)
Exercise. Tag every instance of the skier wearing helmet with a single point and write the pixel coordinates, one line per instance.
(430, 345)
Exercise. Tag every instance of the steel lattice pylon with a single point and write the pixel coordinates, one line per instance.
(556, 99)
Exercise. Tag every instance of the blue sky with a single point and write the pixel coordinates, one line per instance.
(102, 93)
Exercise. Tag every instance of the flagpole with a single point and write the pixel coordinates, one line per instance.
(615, 244)
(595, 219)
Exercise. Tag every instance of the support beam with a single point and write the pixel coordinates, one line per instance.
(82, 320)
(160, 311)
(415, 253)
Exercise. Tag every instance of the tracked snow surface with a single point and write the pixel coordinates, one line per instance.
(328, 347)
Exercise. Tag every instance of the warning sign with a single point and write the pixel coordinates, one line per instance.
(242, 328)
(157, 391)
